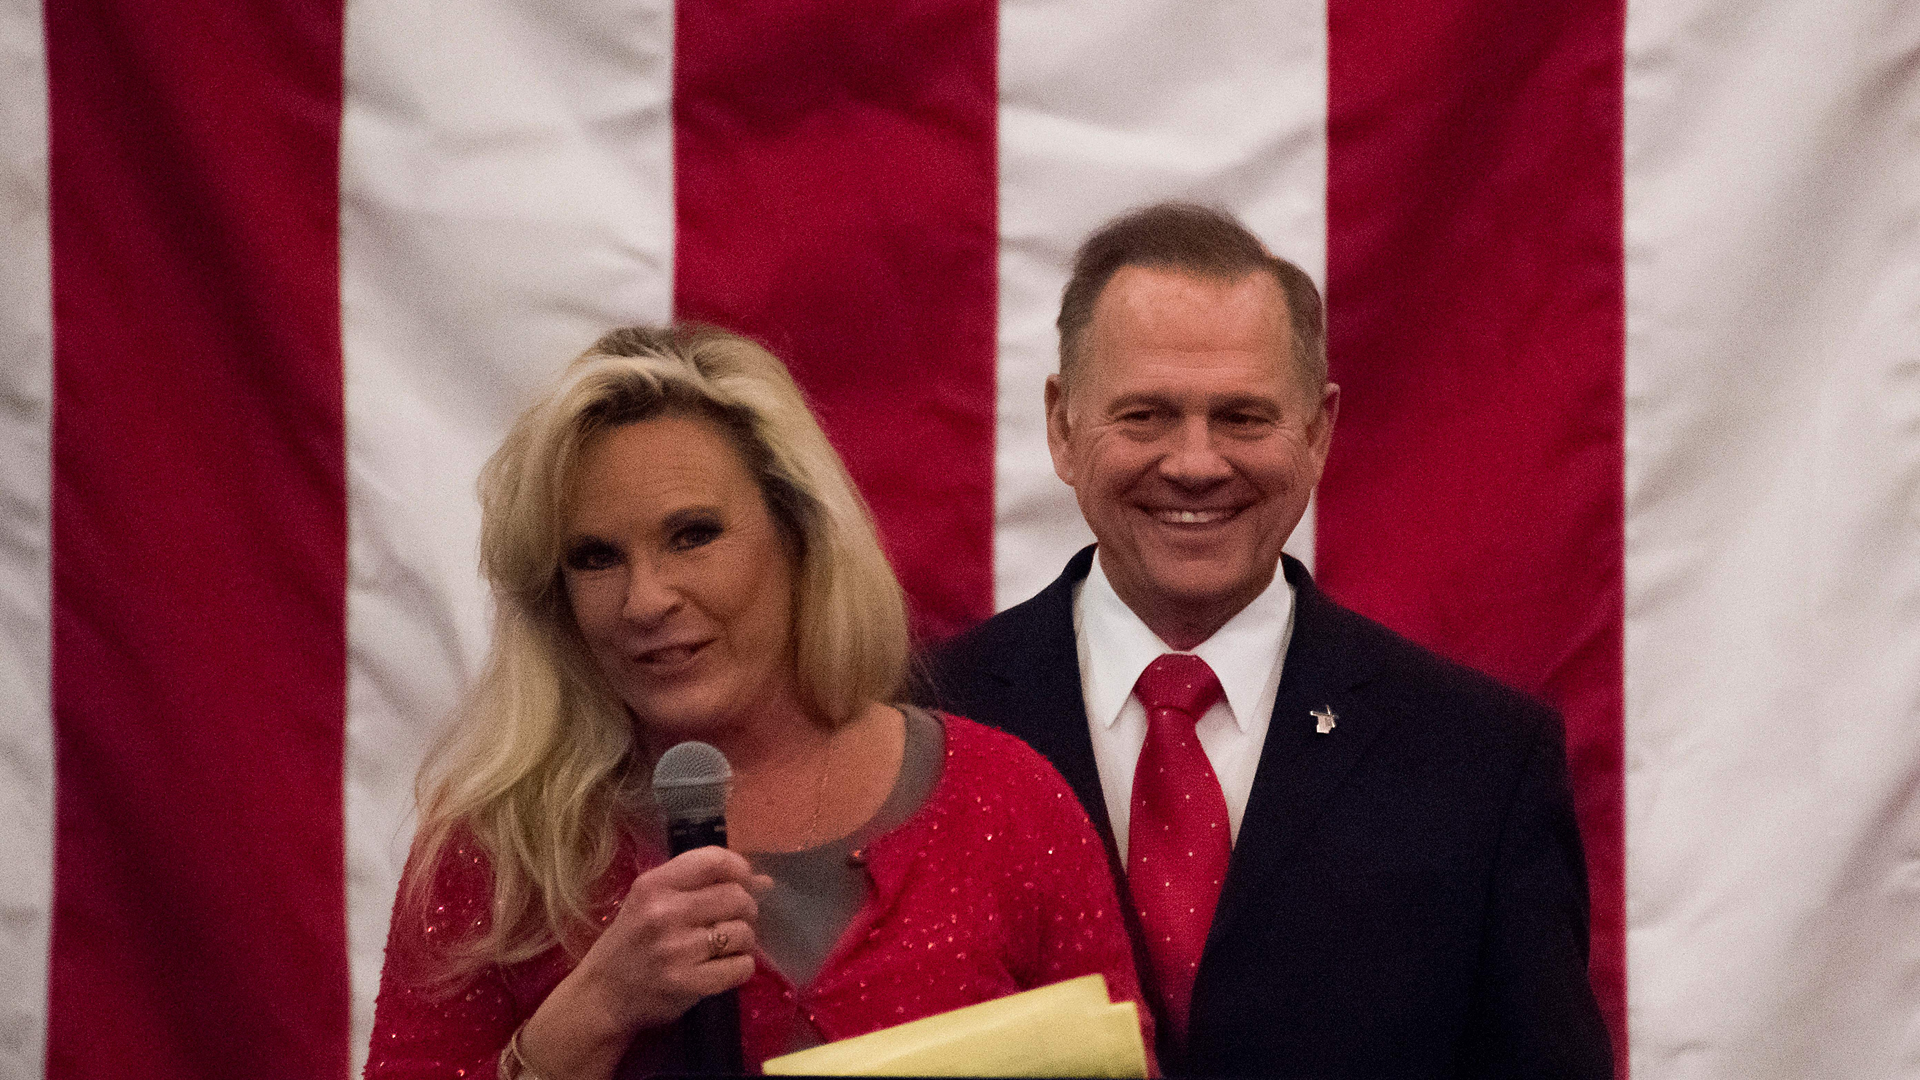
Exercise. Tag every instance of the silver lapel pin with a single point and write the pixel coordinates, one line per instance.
(1323, 719)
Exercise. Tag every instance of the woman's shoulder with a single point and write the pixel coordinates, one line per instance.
(454, 873)
(976, 748)
(444, 899)
(1004, 814)
(988, 767)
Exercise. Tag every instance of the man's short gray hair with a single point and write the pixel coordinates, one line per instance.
(1192, 239)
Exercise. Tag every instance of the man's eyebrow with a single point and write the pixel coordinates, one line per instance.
(1137, 398)
(1244, 401)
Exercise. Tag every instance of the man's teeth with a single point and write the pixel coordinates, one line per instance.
(1192, 517)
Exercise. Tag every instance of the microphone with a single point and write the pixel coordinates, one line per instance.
(690, 785)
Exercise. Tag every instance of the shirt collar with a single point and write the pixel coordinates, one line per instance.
(1116, 646)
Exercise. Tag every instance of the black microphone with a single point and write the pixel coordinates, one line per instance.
(690, 786)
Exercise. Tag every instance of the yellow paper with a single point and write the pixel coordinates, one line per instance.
(846, 1058)
(1066, 1029)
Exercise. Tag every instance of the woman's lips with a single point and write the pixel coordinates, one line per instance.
(669, 656)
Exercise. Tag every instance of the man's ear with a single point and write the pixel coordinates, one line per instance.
(1323, 427)
(1057, 429)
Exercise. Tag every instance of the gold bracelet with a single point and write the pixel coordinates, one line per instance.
(512, 1065)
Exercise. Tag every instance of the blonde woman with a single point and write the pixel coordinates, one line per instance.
(677, 553)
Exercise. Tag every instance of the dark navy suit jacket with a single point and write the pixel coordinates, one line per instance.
(1407, 895)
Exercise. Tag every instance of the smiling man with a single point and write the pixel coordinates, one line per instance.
(1342, 855)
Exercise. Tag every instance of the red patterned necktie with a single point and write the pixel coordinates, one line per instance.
(1177, 835)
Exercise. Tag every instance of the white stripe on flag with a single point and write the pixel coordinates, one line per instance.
(26, 375)
(1106, 106)
(1773, 538)
(506, 195)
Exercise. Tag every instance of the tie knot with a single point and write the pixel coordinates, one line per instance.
(1178, 681)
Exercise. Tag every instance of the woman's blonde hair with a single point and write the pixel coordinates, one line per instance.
(541, 769)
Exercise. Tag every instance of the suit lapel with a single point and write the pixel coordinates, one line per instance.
(1299, 767)
(1044, 678)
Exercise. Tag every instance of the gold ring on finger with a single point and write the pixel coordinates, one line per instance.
(716, 942)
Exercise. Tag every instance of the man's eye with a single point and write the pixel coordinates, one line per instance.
(592, 555)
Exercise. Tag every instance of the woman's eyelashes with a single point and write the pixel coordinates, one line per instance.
(591, 554)
(683, 534)
(694, 531)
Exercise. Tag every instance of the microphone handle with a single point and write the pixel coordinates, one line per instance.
(711, 1034)
(684, 836)
(709, 1044)
(710, 1031)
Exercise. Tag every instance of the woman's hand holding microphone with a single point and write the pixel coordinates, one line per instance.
(684, 931)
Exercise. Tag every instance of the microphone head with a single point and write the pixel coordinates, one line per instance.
(690, 782)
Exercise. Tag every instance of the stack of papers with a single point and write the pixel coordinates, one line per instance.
(1067, 1029)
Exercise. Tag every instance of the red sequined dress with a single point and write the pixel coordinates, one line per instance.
(997, 884)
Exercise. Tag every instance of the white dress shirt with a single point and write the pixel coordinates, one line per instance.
(1115, 647)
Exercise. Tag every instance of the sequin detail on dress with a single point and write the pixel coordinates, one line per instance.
(998, 884)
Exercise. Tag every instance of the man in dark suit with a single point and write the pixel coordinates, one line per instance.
(1341, 855)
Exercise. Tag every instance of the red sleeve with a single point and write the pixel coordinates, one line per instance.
(1071, 906)
(424, 1032)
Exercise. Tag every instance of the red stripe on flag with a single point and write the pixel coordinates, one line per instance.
(199, 541)
(835, 198)
(1474, 497)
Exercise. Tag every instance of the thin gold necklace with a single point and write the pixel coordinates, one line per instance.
(819, 792)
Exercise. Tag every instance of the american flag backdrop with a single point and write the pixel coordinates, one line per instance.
(1624, 301)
